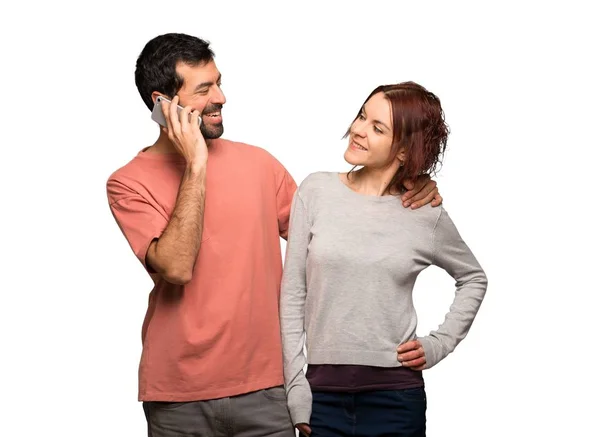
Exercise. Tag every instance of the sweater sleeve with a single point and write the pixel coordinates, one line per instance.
(293, 297)
(452, 254)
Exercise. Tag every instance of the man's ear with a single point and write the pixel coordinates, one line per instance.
(155, 95)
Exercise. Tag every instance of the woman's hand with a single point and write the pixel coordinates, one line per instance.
(412, 355)
(304, 429)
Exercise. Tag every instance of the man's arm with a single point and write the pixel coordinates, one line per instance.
(285, 196)
(286, 188)
(173, 255)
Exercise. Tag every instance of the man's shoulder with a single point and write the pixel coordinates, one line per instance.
(129, 178)
(246, 149)
(123, 172)
(256, 156)
(126, 170)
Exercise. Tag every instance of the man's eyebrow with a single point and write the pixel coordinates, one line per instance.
(206, 84)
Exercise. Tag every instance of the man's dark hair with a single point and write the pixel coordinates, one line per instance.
(155, 67)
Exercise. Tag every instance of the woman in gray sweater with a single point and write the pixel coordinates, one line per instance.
(353, 255)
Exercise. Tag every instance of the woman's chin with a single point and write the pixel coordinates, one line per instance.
(351, 159)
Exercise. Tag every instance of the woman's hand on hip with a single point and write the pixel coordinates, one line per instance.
(412, 355)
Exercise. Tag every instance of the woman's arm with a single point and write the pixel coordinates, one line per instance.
(452, 254)
(293, 297)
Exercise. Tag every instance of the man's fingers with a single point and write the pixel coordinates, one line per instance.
(195, 122)
(410, 186)
(425, 200)
(184, 118)
(422, 189)
(425, 191)
(414, 186)
(173, 113)
(437, 200)
(166, 109)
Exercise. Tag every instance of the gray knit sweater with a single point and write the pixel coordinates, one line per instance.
(351, 264)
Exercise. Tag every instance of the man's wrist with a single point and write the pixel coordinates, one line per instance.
(197, 167)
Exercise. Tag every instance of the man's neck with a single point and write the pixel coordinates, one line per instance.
(163, 145)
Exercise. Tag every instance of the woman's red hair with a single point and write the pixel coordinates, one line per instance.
(418, 127)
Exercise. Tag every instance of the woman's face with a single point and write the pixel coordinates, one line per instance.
(371, 134)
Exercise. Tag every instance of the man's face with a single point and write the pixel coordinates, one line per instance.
(202, 91)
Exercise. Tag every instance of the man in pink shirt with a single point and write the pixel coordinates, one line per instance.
(204, 216)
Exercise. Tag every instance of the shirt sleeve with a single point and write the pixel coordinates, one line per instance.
(452, 254)
(285, 195)
(293, 298)
(140, 222)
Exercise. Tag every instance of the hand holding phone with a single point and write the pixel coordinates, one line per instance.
(183, 128)
(158, 115)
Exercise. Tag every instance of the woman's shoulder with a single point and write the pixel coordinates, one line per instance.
(316, 188)
(317, 181)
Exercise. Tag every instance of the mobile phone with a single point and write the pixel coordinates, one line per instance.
(159, 117)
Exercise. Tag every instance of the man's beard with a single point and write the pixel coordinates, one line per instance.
(210, 132)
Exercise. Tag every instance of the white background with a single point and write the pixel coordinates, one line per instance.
(519, 85)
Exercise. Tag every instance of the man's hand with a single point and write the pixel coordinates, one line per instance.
(412, 355)
(185, 134)
(304, 429)
(421, 192)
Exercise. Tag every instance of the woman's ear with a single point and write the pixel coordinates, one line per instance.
(401, 156)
